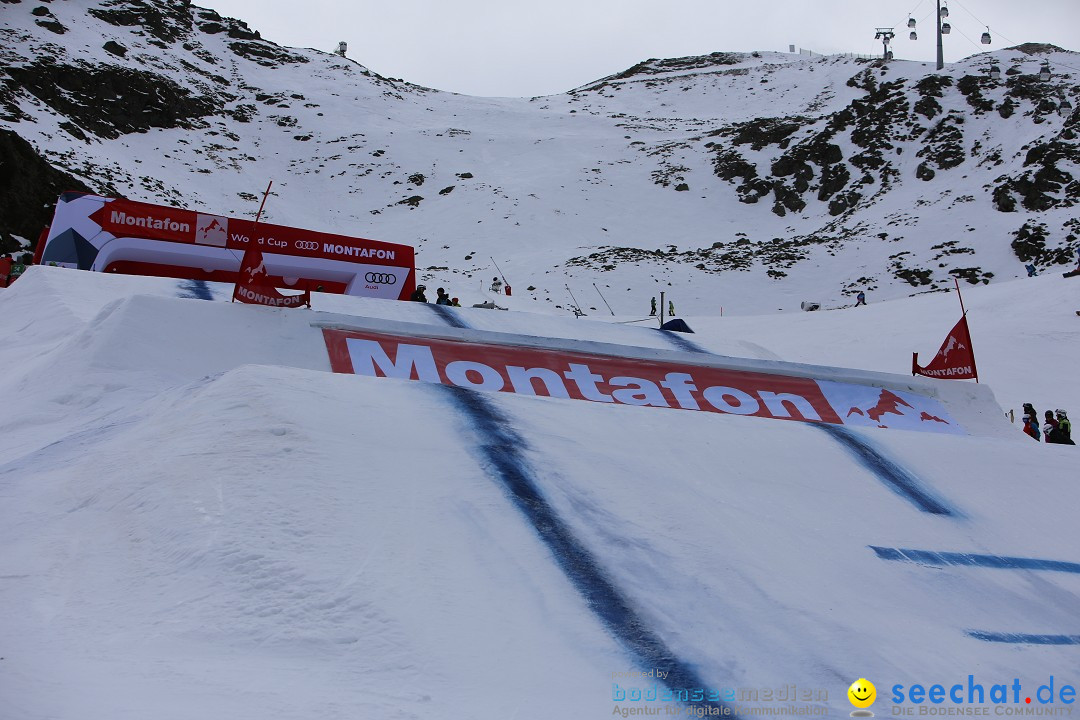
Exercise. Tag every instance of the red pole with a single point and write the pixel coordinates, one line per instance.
(963, 314)
(253, 238)
(263, 203)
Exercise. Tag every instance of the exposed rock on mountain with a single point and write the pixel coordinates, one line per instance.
(720, 173)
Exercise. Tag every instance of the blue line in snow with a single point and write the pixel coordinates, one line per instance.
(449, 316)
(196, 290)
(504, 450)
(888, 471)
(896, 477)
(928, 557)
(1024, 639)
(682, 342)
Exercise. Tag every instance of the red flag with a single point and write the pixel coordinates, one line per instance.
(954, 361)
(252, 285)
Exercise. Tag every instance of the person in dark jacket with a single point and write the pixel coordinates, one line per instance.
(443, 298)
(1064, 428)
(1050, 428)
(418, 294)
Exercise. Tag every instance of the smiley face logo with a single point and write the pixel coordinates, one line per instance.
(862, 693)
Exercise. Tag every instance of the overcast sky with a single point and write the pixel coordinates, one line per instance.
(508, 48)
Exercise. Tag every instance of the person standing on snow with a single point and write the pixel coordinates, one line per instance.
(443, 298)
(860, 299)
(1064, 427)
(418, 294)
(1031, 427)
(496, 285)
(652, 307)
(1050, 428)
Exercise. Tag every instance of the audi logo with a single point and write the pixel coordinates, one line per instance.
(307, 245)
(381, 278)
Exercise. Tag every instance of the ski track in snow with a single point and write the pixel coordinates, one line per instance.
(198, 516)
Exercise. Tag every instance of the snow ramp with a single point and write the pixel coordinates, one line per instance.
(199, 518)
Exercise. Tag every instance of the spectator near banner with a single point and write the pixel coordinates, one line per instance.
(1064, 428)
(5, 270)
(1050, 428)
(1031, 427)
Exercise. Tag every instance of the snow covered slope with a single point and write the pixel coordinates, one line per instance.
(751, 181)
(199, 519)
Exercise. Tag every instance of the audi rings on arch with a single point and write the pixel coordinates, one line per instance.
(307, 245)
(381, 278)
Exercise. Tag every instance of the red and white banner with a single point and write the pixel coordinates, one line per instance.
(630, 381)
(114, 235)
(954, 361)
(253, 286)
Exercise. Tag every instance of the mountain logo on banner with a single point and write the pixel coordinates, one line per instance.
(888, 403)
(873, 406)
(256, 274)
(253, 284)
(954, 361)
(211, 230)
(951, 343)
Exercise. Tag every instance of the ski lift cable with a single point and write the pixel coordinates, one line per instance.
(1013, 42)
(920, 20)
(979, 20)
(911, 14)
(917, 6)
(967, 38)
(957, 2)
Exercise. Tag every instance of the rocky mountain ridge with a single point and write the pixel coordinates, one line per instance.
(760, 174)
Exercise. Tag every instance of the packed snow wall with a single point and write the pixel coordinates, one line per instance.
(200, 518)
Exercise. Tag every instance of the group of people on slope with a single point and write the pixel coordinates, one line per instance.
(1057, 428)
(442, 299)
(670, 308)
